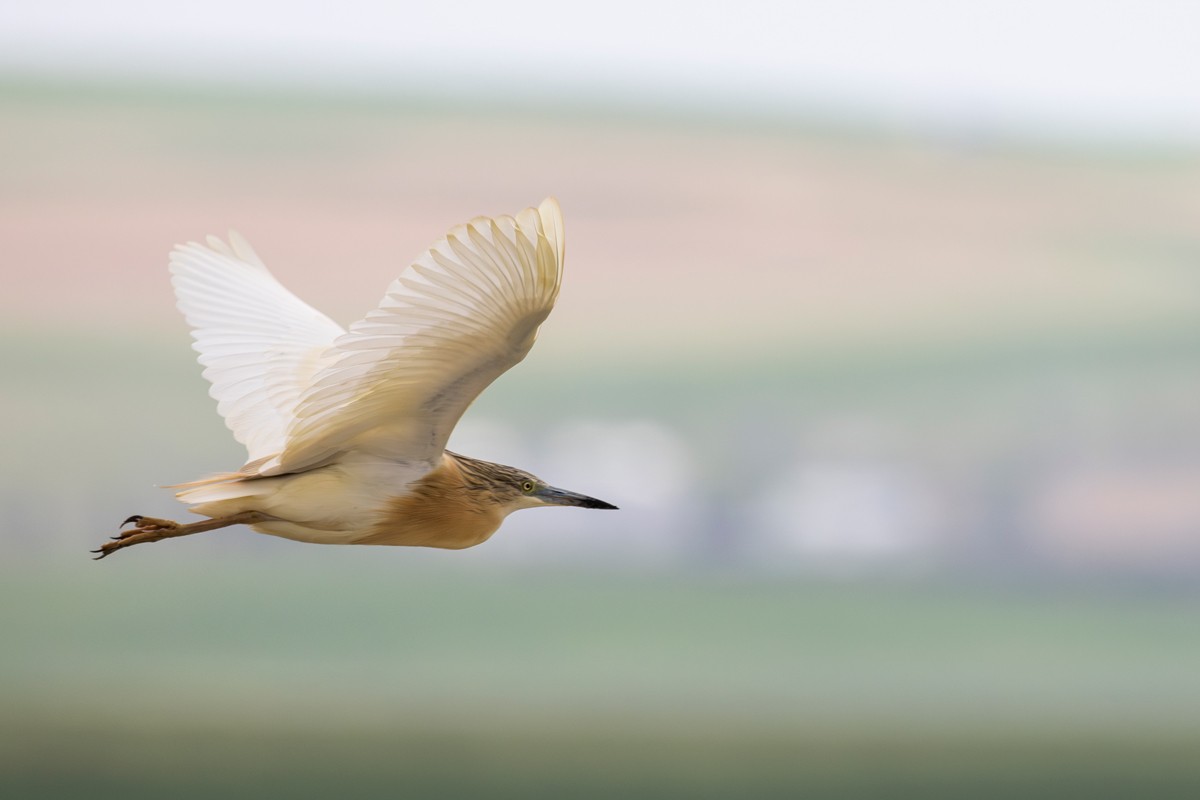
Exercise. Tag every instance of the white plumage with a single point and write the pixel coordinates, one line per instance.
(298, 390)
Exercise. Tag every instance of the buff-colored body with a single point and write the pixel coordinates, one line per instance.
(365, 502)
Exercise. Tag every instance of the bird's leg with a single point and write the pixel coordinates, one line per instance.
(150, 529)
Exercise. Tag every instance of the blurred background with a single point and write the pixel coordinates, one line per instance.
(879, 324)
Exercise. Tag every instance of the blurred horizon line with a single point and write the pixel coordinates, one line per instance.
(810, 118)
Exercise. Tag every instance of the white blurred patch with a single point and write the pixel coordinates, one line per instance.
(640, 461)
(850, 511)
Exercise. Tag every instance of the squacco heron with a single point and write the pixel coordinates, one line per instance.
(346, 430)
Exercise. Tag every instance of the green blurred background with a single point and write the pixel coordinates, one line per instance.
(896, 392)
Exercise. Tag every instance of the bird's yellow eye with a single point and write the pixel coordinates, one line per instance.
(527, 487)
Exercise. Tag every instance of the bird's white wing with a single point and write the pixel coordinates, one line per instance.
(260, 345)
(455, 320)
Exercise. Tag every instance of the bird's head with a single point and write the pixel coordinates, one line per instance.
(514, 489)
(533, 492)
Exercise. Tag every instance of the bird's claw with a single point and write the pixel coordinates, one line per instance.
(106, 549)
(146, 529)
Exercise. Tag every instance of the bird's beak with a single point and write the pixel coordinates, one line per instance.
(561, 497)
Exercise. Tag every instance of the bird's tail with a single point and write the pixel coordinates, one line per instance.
(213, 489)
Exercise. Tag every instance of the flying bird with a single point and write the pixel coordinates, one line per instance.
(346, 430)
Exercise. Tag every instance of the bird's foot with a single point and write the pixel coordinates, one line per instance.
(144, 524)
(145, 529)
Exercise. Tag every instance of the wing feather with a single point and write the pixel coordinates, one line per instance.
(259, 344)
(466, 311)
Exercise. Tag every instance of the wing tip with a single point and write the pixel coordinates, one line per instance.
(549, 222)
(550, 208)
(237, 250)
(550, 213)
(243, 251)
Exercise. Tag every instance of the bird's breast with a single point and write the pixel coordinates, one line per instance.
(435, 511)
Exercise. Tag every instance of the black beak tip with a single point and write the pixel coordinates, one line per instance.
(594, 503)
